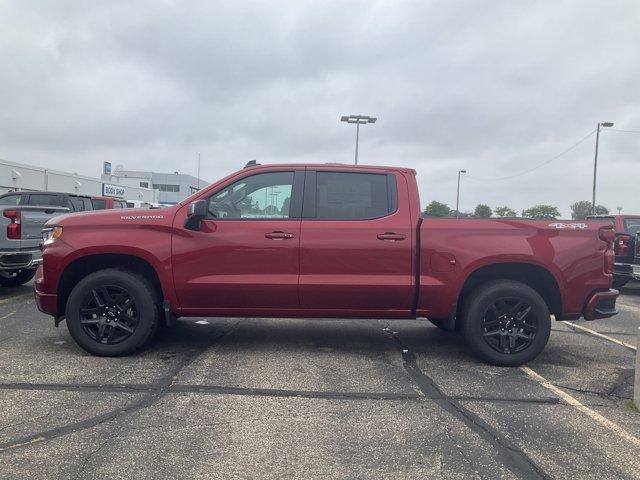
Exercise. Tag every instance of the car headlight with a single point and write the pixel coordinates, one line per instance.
(49, 235)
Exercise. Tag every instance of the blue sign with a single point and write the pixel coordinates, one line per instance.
(106, 169)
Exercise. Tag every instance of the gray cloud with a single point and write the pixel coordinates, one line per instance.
(493, 87)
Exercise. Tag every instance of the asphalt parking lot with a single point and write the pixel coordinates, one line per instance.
(281, 398)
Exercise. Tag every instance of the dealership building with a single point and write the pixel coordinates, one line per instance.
(171, 187)
(21, 177)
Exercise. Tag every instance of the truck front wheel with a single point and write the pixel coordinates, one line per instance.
(506, 322)
(112, 312)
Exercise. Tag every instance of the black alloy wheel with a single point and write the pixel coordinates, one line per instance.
(108, 314)
(113, 312)
(508, 325)
(505, 322)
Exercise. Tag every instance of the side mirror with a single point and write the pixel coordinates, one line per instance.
(196, 212)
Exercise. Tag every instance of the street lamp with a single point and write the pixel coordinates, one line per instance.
(595, 162)
(358, 120)
(458, 193)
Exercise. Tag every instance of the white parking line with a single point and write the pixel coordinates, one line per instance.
(7, 315)
(8, 299)
(600, 335)
(569, 400)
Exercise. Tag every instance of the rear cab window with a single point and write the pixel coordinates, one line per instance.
(99, 203)
(44, 200)
(349, 195)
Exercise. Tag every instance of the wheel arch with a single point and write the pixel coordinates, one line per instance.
(535, 276)
(80, 267)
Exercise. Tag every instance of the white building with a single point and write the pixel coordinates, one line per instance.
(172, 187)
(21, 177)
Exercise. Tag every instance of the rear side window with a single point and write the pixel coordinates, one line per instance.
(99, 203)
(44, 200)
(354, 196)
(10, 200)
(119, 204)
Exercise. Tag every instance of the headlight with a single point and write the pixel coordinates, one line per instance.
(49, 235)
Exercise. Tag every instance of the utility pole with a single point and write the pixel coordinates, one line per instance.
(198, 171)
(458, 194)
(358, 120)
(595, 163)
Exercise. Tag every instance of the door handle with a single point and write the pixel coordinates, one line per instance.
(279, 235)
(391, 236)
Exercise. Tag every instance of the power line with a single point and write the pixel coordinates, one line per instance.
(625, 131)
(539, 165)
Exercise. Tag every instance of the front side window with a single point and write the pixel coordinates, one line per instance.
(76, 204)
(265, 195)
(353, 196)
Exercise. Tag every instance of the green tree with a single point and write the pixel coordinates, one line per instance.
(541, 212)
(437, 209)
(505, 212)
(580, 210)
(483, 211)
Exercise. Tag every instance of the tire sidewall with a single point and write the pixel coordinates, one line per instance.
(478, 304)
(146, 305)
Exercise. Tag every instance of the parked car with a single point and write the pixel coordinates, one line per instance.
(23, 217)
(328, 241)
(626, 228)
(107, 203)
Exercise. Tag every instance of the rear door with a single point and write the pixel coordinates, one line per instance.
(356, 244)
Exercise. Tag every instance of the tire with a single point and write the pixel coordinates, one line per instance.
(112, 313)
(618, 283)
(498, 331)
(14, 279)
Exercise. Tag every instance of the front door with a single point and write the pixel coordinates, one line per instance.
(245, 257)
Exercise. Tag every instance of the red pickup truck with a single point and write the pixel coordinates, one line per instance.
(328, 241)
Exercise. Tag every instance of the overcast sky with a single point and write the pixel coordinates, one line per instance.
(494, 87)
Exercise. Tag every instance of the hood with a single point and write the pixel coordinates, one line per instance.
(115, 217)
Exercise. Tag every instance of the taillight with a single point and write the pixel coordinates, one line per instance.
(607, 235)
(14, 230)
(622, 245)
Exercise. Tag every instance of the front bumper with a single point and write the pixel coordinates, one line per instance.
(46, 302)
(20, 259)
(623, 270)
(601, 305)
(635, 272)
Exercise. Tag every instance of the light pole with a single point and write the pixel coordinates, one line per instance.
(358, 120)
(595, 163)
(458, 193)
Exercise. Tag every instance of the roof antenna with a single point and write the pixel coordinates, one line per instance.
(251, 163)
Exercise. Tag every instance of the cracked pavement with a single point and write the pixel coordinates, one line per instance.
(284, 398)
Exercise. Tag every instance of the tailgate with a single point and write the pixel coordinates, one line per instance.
(33, 220)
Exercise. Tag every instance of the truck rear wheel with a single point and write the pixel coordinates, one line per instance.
(506, 323)
(13, 279)
(112, 312)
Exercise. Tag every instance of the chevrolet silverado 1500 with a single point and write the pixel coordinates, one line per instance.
(327, 241)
